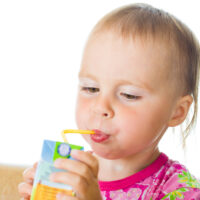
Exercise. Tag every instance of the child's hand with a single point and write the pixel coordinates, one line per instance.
(25, 188)
(81, 175)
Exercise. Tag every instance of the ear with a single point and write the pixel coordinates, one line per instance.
(181, 110)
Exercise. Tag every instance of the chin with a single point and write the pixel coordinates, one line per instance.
(100, 152)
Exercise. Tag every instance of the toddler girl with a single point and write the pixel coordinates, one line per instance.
(139, 76)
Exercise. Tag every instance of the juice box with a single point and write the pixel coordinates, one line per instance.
(43, 188)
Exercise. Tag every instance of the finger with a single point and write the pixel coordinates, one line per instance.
(35, 165)
(25, 190)
(89, 151)
(75, 167)
(78, 183)
(23, 198)
(61, 196)
(86, 158)
(29, 174)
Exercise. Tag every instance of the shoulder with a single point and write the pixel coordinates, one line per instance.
(178, 182)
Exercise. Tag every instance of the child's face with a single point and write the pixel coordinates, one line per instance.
(125, 94)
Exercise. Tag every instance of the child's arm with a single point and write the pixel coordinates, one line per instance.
(81, 175)
(25, 188)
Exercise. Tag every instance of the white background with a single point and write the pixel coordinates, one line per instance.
(41, 44)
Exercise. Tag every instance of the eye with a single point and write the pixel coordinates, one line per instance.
(129, 96)
(90, 89)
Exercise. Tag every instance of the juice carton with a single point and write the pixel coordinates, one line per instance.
(43, 188)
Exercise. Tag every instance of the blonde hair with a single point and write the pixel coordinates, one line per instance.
(145, 21)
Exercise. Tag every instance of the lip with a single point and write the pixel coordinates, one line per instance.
(99, 136)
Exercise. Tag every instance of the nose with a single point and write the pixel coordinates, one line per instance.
(103, 107)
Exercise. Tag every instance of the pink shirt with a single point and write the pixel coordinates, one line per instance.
(163, 179)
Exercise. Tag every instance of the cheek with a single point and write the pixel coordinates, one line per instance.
(145, 122)
(126, 119)
(82, 111)
(127, 116)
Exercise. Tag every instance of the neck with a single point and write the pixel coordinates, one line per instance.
(110, 170)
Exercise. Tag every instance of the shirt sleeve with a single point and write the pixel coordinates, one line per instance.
(187, 187)
(183, 193)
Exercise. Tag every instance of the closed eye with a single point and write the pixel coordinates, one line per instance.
(130, 96)
(90, 89)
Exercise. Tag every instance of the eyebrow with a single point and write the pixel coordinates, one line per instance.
(84, 75)
(133, 85)
(122, 82)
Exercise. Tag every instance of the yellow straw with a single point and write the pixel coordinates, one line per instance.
(75, 131)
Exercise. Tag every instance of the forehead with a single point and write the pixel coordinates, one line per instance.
(119, 57)
(108, 40)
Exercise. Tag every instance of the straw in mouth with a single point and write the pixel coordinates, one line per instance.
(75, 131)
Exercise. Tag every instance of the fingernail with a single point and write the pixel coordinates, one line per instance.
(57, 162)
(58, 196)
(74, 152)
(30, 181)
(30, 191)
(51, 177)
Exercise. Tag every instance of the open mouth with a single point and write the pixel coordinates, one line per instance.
(99, 136)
